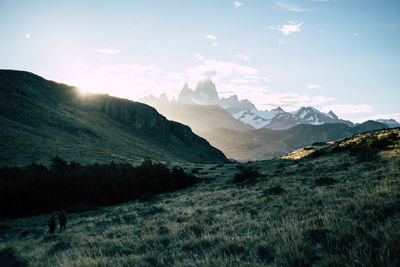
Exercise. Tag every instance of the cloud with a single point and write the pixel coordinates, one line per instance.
(257, 77)
(395, 116)
(291, 101)
(291, 7)
(107, 50)
(28, 35)
(219, 70)
(214, 44)
(210, 36)
(320, 0)
(130, 81)
(288, 29)
(356, 34)
(243, 57)
(149, 48)
(237, 4)
(313, 86)
(199, 57)
(240, 81)
(271, 28)
(348, 109)
(281, 41)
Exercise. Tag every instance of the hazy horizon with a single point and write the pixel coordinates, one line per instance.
(330, 54)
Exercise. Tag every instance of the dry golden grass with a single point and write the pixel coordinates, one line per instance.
(351, 220)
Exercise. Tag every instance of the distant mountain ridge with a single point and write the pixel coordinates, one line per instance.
(389, 122)
(266, 143)
(42, 119)
(206, 95)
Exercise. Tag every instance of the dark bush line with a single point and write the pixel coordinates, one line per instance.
(36, 189)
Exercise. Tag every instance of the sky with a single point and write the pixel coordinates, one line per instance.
(339, 55)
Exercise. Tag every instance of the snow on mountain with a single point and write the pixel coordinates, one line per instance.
(391, 123)
(305, 115)
(314, 116)
(251, 118)
(245, 111)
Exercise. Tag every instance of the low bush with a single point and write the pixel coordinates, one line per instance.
(317, 153)
(366, 148)
(274, 190)
(246, 173)
(325, 181)
(37, 189)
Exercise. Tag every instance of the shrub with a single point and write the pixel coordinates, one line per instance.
(246, 173)
(37, 189)
(325, 181)
(275, 190)
(317, 153)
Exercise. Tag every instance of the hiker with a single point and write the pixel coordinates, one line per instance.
(63, 221)
(52, 224)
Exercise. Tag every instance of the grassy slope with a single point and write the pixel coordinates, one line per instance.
(354, 222)
(41, 119)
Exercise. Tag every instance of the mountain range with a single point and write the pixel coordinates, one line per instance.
(41, 119)
(243, 114)
(243, 132)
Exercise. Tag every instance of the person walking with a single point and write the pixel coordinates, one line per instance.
(52, 224)
(63, 221)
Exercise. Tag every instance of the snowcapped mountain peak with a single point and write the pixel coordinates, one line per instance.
(245, 111)
(204, 94)
(278, 110)
(389, 122)
(206, 89)
(332, 115)
(185, 87)
(163, 97)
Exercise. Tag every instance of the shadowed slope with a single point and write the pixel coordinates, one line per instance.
(41, 119)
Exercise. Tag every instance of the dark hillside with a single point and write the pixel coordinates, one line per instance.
(41, 119)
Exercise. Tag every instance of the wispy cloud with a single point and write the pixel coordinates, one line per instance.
(219, 69)
(243, 57)
(313, 86)
(281, 41)
(395, 116)
(237, 4)
(356, 34)
(291, 7)
(199, 57)
(107, 50)
(288, 29)
(348, 109)
(288, 101)
(210, 36)
(28, 35)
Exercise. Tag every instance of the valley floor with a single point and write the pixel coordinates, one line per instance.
(330, 210)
